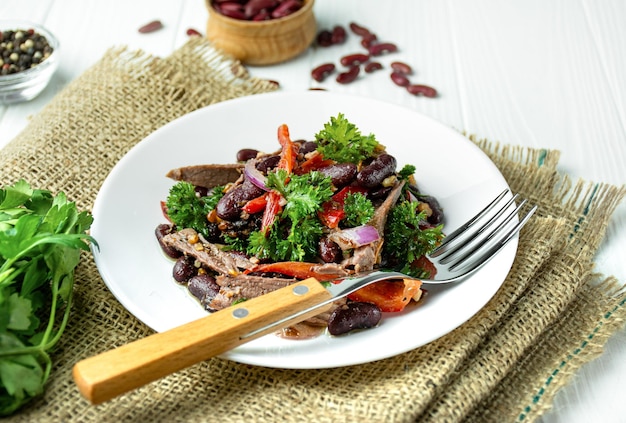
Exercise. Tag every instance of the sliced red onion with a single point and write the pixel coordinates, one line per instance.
(355, 237)
(254, 175)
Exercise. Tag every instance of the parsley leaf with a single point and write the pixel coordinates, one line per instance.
(187, 209)
(405, 242)
(341, 141)
(295, 234)
(41, 238)
(406, 172)
(358, 209)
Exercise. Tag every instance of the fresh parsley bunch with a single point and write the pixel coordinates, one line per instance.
(41, 237)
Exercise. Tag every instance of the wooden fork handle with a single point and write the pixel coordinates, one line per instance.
(107, 375)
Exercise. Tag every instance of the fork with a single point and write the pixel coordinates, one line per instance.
(461, 254)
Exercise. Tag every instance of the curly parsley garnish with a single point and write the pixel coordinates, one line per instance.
(405, 242)
(341, 141)
(358, 209)
(304, 193)
(406, 172)
(187, 209)
(295, 234)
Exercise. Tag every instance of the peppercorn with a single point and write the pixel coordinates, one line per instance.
(21, 50)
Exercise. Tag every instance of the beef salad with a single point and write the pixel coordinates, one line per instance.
(326, 208)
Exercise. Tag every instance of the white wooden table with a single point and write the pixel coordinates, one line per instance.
(538, 73)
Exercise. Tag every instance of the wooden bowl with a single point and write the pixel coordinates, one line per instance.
(266, 42)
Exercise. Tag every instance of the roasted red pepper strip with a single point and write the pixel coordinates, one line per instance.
(272, 209)
(331, 214)
(256, 205)
(332, 210)
(296, 269)
(288, 155)
(389, 296)
(315, 162)
(340, 196)
(288, 152)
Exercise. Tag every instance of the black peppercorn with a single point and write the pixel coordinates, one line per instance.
(22, 49)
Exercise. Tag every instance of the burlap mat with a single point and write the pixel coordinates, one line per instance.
(551, 315)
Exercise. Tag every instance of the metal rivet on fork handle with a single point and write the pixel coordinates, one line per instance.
(240, 313)
(300, 290)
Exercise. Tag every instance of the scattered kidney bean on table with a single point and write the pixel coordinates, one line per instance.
(400, 71)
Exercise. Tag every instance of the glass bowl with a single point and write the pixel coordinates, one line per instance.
(27, 84)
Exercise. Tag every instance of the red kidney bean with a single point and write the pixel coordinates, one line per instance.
(325, 38)
(401, 67)
(368, 40)
(193, 32)
(162, 230)
(352, 316)
(286, 8)
(263, 15)
(203, 287)
(375, 173)
(354, 59)
(201, 191)
(341, 173)
(267, 163)
(246, 154)
(373, 66)
(151, 27)
(349, 76)
(358, 29)
(232, 10)
(400, 79)
(231, 5)
(424, 90)
(329, 251)
(382, 48)
(379, 193)
(307, 147)
(253, 7)
(183, 269)
(229, 206)
(338, 35)
(437, 216)
(322, 71)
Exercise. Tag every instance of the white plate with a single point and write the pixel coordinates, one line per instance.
(126, 212)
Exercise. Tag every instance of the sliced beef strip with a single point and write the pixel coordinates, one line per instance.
(210, 255)
(380, 215)
(207, 175)
(364, 258)
(252, 286)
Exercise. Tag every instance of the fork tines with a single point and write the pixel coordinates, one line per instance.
(483, 236)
